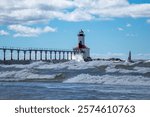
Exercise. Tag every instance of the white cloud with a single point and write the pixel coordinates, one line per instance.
(77, 15)
(128, 25)
(49, 29)
(120, 29)
(3, 33)
(25, 31)
(35, 11)
(31, 11)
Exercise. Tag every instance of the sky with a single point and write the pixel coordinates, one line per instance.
(112, 27)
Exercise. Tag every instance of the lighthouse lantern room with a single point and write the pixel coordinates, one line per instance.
(82, 48)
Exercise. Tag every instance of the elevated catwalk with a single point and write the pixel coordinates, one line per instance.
(21, 54)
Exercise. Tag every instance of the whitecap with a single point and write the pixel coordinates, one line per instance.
(25, 74)
(110, 79)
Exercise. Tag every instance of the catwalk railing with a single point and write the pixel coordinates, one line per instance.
(34, 54)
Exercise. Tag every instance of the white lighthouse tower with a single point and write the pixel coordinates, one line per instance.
(82, 48)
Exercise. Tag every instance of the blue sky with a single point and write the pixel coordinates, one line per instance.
(112, 27)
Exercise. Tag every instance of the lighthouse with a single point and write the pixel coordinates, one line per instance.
(82, 48)
(129, 57)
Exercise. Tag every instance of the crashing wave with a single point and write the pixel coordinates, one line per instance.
(78, 57)
(110, 79)
(46, 70)
(25, 75)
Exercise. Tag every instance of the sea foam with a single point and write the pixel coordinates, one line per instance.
(86, 72)
(110, 79)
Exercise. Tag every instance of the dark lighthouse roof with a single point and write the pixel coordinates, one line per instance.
(81, 33)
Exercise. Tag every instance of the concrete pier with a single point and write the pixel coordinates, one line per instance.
(24, 52)
(21, 54)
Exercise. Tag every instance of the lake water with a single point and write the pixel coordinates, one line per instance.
(63, 91)
(76, 80)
